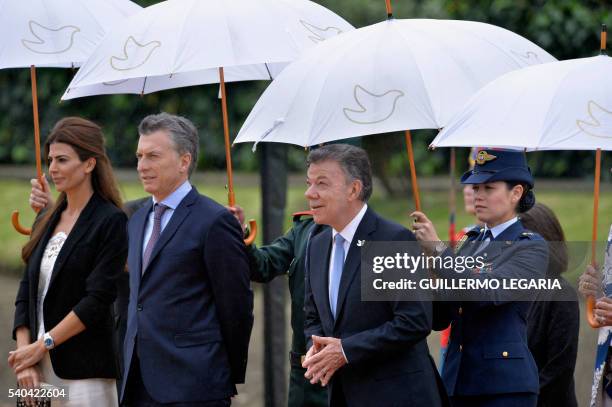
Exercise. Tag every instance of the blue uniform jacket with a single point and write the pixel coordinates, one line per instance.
(488, 352)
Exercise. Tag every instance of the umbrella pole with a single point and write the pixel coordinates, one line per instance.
(15, 216)
(452, 199)
(415, 186)
(231, 197)
(590, 300)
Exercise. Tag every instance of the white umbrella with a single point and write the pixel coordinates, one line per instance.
(391, 76)
(183, 43)
(53, 33)
(564, 105)
(179, 43)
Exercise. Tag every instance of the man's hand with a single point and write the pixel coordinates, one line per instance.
(424, 232)
(40, 195)
(238, 213)
(322, 364)
(590, 283)
(26, 356)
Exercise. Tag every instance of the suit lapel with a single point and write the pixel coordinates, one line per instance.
(353, 260)
(319, 272)
(75, 235)
(140, 219)
(179, 215)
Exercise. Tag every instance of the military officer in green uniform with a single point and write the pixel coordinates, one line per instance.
(285, 255)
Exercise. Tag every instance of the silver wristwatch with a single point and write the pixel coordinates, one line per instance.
(48, 341)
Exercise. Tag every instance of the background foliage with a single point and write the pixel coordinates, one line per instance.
(565, 28)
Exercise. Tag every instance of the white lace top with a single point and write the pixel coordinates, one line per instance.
(46, 268)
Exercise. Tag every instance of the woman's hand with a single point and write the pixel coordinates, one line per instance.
(26, 356)
(603, 311)
(590, 283)
(40, 196)
(425, 232)
(29, 379)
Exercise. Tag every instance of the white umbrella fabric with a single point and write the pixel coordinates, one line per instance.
(564, 105)
(56, 33)
(390, 76)
(179, 43)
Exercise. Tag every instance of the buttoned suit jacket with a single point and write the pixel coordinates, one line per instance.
(190, 312)
(385, 342)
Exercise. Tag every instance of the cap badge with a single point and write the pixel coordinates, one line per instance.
(484, 157)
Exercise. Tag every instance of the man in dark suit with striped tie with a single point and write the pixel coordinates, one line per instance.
(190, 309)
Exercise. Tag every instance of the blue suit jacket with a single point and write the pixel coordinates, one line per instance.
(384, 342)
(488, 352)
(190, 313)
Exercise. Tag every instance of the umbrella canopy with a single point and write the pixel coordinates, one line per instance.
(55, 33)
(390, 76)
(183, 42)
(559, 106)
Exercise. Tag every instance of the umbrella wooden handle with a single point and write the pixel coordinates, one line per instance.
(590, 304)
(252, 233)
(17, 225)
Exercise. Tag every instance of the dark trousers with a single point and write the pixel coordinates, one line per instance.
(138, 396)
(496, 400)
(304, 394)
(337, 398)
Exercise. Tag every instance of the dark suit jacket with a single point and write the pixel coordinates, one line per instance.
(190, 313)
(488, 352)
(384, 342)
(83, 280)
(120, 306)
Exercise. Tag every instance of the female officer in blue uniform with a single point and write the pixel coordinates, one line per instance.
(488, 361)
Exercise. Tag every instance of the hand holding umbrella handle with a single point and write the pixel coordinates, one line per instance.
(252, 233)
(590, 304)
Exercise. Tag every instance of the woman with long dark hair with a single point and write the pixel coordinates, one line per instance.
(63, 324)
(553, 321)
(488, 362)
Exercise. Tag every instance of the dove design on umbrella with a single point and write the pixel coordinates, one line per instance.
(50, 40)
(373, 108)
(135, 54)
(600, 124)
(320, 34)
(529, 57)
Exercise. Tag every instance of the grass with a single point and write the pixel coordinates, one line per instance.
(574, 210)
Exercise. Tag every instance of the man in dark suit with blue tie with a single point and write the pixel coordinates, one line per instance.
(190, 309)
(370, 353)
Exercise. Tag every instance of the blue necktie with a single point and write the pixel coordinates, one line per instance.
(487, 235)
(336, 273)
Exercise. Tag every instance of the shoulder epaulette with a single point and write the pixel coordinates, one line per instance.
(298, 215)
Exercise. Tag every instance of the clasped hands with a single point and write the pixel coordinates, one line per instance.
(323, 359)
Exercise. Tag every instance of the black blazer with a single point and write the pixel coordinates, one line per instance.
(84, 281)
